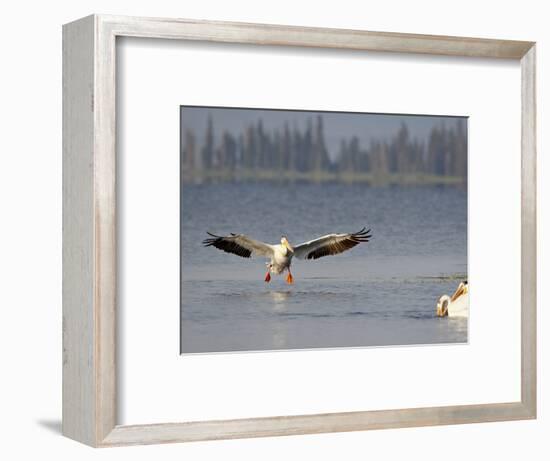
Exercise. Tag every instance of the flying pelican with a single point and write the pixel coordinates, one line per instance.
(280, 255)
(456, 305)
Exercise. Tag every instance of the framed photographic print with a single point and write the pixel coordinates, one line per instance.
(273, 230)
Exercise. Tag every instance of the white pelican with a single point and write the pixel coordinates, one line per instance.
(457, 305)
(280, 255)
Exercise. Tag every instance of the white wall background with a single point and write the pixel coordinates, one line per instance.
(30, 236)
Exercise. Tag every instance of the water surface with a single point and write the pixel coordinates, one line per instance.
(377, 294)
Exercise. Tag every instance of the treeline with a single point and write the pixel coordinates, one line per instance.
(302, 154)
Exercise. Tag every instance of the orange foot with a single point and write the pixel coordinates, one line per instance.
(267, 277)
(289, 278)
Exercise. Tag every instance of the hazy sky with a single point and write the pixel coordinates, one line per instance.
(337, 125)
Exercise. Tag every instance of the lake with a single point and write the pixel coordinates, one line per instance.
(381, 293)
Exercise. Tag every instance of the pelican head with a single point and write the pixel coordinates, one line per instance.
(461, 290)
(442, 309)
(286, 243)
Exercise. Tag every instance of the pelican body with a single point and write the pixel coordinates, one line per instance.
(281, 260)
(457, 305)
(280, 255)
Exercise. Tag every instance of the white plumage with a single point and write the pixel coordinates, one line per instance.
(457, 305)
(280, 255)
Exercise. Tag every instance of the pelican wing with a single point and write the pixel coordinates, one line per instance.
(330, 244)
(239, 244)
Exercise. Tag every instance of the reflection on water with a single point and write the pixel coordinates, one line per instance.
(279, 300)
(381, 293)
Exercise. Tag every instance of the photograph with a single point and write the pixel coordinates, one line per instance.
(254, 231)
(306, 229)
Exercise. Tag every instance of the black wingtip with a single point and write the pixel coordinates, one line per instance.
(210, 241)
(363, 235)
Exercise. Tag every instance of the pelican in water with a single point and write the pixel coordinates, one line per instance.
(456, 305)
(280, 255)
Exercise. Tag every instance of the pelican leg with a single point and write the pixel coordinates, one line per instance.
(289, 278)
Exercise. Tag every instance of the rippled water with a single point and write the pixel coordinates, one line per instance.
(380, 293)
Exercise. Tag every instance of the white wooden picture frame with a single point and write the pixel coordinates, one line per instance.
(89, 230)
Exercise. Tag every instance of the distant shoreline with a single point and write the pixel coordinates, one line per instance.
(348, 177)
